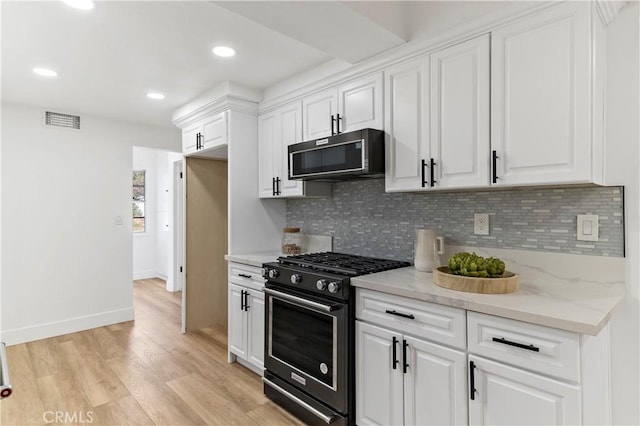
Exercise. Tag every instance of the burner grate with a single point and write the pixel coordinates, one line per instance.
(340, 263)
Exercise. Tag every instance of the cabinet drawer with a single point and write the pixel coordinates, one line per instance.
(533, 347)
(438, 323)
(246, 275)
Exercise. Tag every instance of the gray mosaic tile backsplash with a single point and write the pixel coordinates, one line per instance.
(365, 220)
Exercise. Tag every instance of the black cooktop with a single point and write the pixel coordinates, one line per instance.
(340, 263)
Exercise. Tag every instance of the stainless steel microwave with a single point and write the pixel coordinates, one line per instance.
(352, 155)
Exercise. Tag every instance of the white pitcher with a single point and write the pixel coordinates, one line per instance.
(428, 249)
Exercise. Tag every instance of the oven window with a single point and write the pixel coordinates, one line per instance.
(328, 159)
(303, 339)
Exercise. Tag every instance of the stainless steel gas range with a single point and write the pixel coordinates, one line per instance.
(309, 333)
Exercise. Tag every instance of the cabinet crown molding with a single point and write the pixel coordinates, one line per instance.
(609, 9)
(227, 96)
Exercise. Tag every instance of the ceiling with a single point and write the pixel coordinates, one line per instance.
(108, 58)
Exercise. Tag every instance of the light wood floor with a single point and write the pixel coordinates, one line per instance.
(140, 372)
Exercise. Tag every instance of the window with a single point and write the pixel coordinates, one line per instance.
(138, 200)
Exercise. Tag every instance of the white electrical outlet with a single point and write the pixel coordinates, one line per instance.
(481, 223)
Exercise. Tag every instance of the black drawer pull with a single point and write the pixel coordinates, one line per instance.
(400, 314)
(244, 275)
(517, 345)
(395, 342)
(472, 381)
(405, 364)
(423, 165)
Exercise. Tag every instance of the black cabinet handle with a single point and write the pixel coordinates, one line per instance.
(338, 118)
(405, 365)
(432, 166)
(400, 314)
(197, 141)
(395, 352)
(278, 186)
(242, 300)
(246, 300)
(424, 182)
(472, 380)
(516, 344)
(244, 275)
(494, 164)
(332, 121)
(273, 186)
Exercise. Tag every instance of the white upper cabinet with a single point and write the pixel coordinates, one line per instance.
(214, 130)
(209, 133)
(191, 138)
(360, 104)
(541, 98)
(352, 106)
(460, 115)
(437, 119)
(276, 131)
(320, 114)
(406, 124)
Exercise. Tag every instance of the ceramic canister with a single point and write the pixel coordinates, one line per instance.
(429, 246)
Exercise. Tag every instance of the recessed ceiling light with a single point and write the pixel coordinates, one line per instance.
(156, 96)
(224, 51)
(80, 4)
(45, 72)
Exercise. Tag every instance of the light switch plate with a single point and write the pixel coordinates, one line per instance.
(587, 227)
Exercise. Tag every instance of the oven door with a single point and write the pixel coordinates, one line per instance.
(306, 345)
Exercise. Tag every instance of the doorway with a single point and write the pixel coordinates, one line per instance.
(158, 210)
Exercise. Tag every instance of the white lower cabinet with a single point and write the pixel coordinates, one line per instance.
(420, 363)
(506, 395)
(402, 379)
(246, 317)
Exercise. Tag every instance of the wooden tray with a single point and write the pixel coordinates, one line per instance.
(509, 282)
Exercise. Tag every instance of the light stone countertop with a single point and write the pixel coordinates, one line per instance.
(568, 292)
(310, 244)
(253, 259)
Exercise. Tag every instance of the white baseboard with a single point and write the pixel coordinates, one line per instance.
(145, 275)
(72, 325)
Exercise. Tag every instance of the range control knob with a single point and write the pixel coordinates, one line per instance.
(321, 284)
(334, 287)
(296, 278)
(273, 274)
(265, 272)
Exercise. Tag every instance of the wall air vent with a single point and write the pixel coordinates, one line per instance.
(62, 120)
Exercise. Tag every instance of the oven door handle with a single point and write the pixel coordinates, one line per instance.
(304, 302)
(327, 419)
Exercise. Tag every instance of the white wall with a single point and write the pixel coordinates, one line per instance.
(623, 135)
(66, 265)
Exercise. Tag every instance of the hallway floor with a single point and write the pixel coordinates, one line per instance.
(140, 372)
